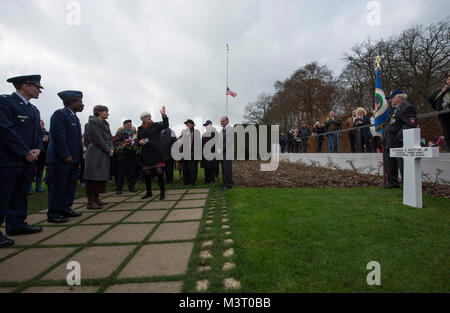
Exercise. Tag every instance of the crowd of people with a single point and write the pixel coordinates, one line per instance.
(360, 129)
(362, 140)
(68, 154)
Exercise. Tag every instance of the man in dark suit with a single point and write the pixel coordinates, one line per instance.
(167, 141)
(64, 155)
(20, 146)
(227, 134)
(402, 116)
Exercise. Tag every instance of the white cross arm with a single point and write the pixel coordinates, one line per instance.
(412, 153)
(429, 152)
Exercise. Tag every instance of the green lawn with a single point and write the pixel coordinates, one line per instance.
(320, 240)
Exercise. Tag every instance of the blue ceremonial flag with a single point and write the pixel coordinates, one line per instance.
(381, 105)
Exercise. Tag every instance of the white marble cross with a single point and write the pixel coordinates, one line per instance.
(411, 153)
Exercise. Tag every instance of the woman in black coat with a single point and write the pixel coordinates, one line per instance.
(151, 156)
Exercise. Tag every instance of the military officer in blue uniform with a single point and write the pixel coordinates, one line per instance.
(64, 154)
(20, 146)
(402, 116)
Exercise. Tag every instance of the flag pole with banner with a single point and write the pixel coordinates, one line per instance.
(381, 105)
(382, 109)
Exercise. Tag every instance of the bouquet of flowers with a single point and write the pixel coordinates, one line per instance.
(129, 144)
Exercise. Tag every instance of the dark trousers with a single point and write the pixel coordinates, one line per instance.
(126, 168)
(319, 145)
(168, 170)
(305, 145)
(351, 137)
(190, 171)
(227, 173)
(62, 185)
(15, 184)
(149, 174)
(210, 174)
(392, 166)
(39, 175)
(377, 143)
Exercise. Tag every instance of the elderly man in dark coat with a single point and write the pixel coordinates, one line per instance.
(151, 156)
(64, 154)
(20, 146)
(100, 149)
(126, 157)
(402, 116)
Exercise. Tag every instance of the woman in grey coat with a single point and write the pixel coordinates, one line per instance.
(100, 149)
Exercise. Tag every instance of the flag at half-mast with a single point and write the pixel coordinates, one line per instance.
(381, 105)
(230, 93)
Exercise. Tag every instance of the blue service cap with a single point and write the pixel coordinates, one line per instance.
(29, 79)
(394, 93)
(70, 93)
(208, 122)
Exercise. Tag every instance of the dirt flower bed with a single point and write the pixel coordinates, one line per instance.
(297, 175)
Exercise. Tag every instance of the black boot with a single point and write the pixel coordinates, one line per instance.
(162, 187)
(148, 185)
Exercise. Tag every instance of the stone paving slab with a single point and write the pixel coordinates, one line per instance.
(186, 214)
(138, 199)
(159, 205)
(96, 262)
(195, 196)
(36, 218)
(176, 231)
(83, 209)
(159, 260)
(125, 207)
(25, 240)
(80, 201)
(190, 204)
(126, 193)
(62, 289)
(158, 287)
(30, 263)
(106, 218)
(172, 197)
(76, 235)
(198, 191)
(72, 220)
(126, 233)
(114, 199)
(107, 194)
(7, 251)
(146, 216)
(175, 192)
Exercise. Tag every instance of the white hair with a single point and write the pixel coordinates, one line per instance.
(144, 115)
(404, 96)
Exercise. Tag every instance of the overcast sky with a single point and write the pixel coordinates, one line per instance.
(137, 55)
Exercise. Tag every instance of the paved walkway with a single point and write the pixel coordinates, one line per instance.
(147, 243)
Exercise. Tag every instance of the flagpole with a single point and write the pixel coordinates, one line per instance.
(226, 95)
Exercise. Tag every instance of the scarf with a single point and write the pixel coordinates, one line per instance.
(146, 125)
